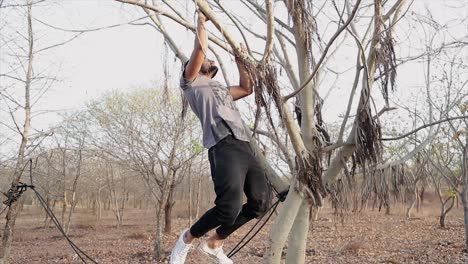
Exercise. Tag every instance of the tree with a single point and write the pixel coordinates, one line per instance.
(297, 48)
(12, 212)
(144, 130)
(21, 72)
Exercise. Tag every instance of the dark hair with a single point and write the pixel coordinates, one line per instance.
(213, 69)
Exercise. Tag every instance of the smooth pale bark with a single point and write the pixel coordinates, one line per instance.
(332, 174)
(297, 243)
(282, 226)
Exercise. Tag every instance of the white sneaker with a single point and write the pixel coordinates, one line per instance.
(215, 254)
(180, 250)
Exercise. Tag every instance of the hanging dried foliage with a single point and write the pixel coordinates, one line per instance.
(265, 82)
(368, 134)
(309, 165)
(309, 171)
(377, 188)
(386, 61)
(398, 180)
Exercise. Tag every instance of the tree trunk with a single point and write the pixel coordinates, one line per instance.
(70, 213)
(64, 206)
(465, 190)
(413, 202)
(421, 197)
(197, 202)
(158, 246)
(298, 239)
(74, 187)
(99, 204)
(168, 217)
(48, 200)
(283, 225)
(444, 212)
(190, 191)
(48, 219)
(7, 236)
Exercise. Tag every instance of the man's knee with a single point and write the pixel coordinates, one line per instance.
(258, 207)
(227, 215)
(263, 206)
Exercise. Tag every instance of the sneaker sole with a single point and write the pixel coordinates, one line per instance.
(210, 257)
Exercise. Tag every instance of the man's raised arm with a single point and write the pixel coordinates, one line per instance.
(245, 85)
(198, 54)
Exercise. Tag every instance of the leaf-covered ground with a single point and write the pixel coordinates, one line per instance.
(367, 237)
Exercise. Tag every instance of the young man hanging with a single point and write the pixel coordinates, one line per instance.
(234, 167)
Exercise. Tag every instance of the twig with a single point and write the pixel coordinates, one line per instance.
(424, 126)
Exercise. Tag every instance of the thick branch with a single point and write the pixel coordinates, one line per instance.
(176, 19)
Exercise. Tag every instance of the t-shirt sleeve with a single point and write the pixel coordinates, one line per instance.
(184, 83)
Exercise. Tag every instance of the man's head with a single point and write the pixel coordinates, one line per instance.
(208, 68)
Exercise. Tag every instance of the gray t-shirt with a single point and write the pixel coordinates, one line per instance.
(213, 104)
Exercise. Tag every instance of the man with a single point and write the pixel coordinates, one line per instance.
(234, 167)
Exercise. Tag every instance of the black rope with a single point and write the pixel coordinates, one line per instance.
(17, 190)
(281, 197)
(81, 254)
(15, 193)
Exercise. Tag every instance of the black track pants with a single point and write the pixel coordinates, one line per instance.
(234, 170)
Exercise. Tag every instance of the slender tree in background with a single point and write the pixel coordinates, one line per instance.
(7, 233)
(20, 71)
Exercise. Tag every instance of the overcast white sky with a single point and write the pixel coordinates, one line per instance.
(129, 56)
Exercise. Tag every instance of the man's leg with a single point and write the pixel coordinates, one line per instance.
(257, 190)
(229, 165)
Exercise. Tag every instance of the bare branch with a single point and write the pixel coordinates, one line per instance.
(322, 58)
(425, 126)
(176, 19)
(270, 30)
(58, 44)
(91, 29)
